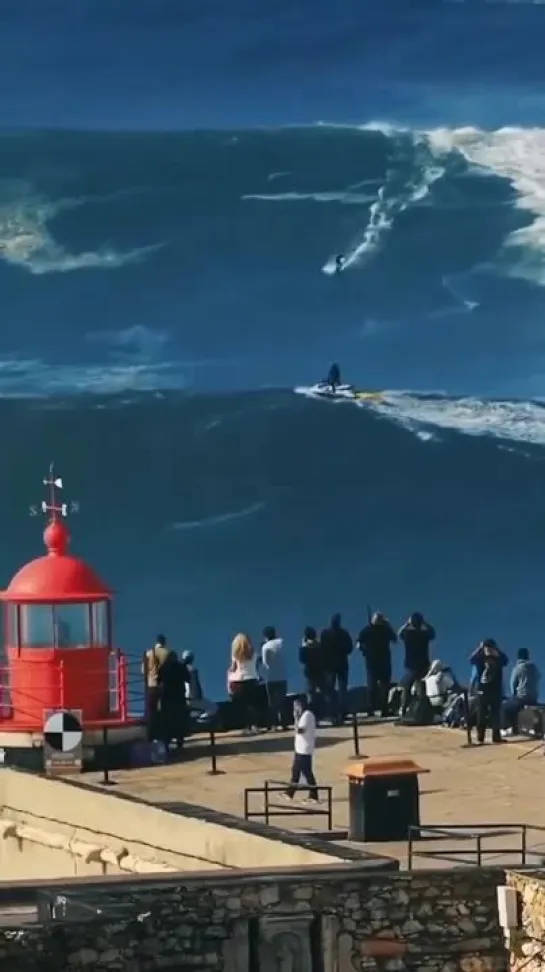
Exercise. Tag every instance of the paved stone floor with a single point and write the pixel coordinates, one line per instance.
(477, 785)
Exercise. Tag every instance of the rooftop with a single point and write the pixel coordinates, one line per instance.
(464, 786)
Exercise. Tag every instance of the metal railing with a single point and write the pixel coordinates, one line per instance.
(18, 704)
(289, 810)
(478, 835)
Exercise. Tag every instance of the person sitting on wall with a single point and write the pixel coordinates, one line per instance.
(489, 662)
(524, 686)
(441, 686)
(200, 709)
(419, 710)
(374, 642)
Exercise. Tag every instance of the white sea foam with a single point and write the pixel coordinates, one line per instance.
(451, 283)
(35, 378)
(512, 153)
(344, 197)
(27, 241)
(220, 519)
(516, 154)
(136, 342)
(511, 420)
(516, 421)
(404, 185)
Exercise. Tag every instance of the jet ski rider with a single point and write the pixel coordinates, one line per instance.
(334, 377)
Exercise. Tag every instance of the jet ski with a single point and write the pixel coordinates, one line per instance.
(324, 390)
(343, 392)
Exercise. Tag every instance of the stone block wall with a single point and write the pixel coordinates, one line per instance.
(334, 919)
(527, 946)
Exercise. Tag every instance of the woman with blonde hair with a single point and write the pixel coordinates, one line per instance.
(242, 679)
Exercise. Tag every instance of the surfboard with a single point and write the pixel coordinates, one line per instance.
(371, 396)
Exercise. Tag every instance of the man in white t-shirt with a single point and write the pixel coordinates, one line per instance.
(305, 744)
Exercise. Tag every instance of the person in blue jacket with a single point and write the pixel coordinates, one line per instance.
(524, 687)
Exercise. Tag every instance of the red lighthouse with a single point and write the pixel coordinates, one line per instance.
(58, 648)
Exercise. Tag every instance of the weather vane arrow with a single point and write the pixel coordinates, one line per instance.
(54, 507)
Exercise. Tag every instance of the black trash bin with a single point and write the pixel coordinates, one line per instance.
(384, 799)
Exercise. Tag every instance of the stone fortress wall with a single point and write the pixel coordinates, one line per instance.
(527, 941)
(332, 919)
(198, 889)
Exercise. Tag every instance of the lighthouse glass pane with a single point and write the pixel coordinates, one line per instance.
(12, 632)
(37, 626)
(72, 626)
(100, 623)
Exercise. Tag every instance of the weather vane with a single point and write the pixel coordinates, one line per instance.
(54, 483)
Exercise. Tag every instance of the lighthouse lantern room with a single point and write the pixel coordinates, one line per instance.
(58, 636)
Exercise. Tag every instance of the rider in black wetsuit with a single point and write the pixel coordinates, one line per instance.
(334, 377)
(339, 263)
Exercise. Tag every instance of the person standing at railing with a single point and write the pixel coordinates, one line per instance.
(375, 641)
(243, 681)
(153, 660)
(173, 712)
(276, 679)
(337, 646)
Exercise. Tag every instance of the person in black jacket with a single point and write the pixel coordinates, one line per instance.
(337, 646)
(311, 656)
(173, 679)
(417, 635)
(489, 662)
(374, 643)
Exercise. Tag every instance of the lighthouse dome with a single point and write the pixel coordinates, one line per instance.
(57, 576)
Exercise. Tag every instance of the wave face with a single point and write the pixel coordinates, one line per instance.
(200, 260)
(230, 512)
(186, 276)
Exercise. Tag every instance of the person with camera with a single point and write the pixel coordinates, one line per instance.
(374, 642)
(489, 662)
(417, 635)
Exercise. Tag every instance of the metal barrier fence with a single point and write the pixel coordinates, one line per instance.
(49, 691)
(276, 810)
(476, 833)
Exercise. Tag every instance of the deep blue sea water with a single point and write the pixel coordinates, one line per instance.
(174, 179)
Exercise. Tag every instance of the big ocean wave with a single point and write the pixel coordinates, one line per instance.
(126, 258)
(396, 168)
(163, 296)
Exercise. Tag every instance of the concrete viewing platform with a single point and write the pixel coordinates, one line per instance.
(465, 786)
